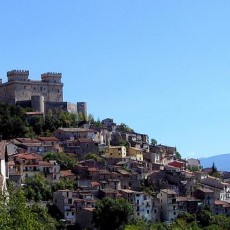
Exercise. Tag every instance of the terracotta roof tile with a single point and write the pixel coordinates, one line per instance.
(66, 173)
(48, 139)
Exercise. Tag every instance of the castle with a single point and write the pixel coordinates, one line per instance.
(43, 96)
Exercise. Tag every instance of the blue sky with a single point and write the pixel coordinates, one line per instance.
(162, 67)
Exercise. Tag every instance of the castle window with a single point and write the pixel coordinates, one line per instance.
(34, 88)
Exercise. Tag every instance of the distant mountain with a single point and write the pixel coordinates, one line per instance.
(222, 162)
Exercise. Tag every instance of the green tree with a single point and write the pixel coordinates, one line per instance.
(214, 171)
(37, 188)
(43, 216)
(94, 156)
(67, 119)
(153, 142)
(64, 183)
(91, 118)
(178, 155)
(125, 128)
(193, 168)
(205, 218)
(124, 143)
(51, 123)
(17, 215)
(112, 214)
(66, 161)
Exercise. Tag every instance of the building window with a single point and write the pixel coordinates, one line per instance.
(147, 211)
(174, 213)
(41, 88)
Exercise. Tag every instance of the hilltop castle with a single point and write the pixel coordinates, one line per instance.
(43, 96)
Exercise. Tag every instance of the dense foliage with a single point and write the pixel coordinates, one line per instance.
(37, 188)
(203, 220)
(14, 122)
(112, 214)
(94, 157)
(16, 214)
(66, 161)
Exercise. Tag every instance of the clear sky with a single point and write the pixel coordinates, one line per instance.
(160, 66)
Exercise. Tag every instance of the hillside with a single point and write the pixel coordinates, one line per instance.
(221, 162)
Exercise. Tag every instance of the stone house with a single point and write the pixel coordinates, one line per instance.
(65, 134)
(161, 154)
(142, 203)
(64, 200)
(168, 203)
(70, 203)
(30, 164)
(206, 196)
(136, 153)
(221, 189)
(188, 204)
(221, 208)
(117, 152)
(38, 145)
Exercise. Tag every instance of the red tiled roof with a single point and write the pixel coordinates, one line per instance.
(28, 140)
(223, 203)
(176, 164)
(48, 139)
(66, 173)
(95, 183)
(45, 163)
(93, 170)
(28, 156)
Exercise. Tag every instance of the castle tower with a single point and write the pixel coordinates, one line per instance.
(82, 108)
(17, 75)
(38, 103)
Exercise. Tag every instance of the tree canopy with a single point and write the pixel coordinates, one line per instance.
(112, 214)
(17, 215)
(66, 161)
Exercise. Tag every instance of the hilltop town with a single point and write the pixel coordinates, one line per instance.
(82, 161)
